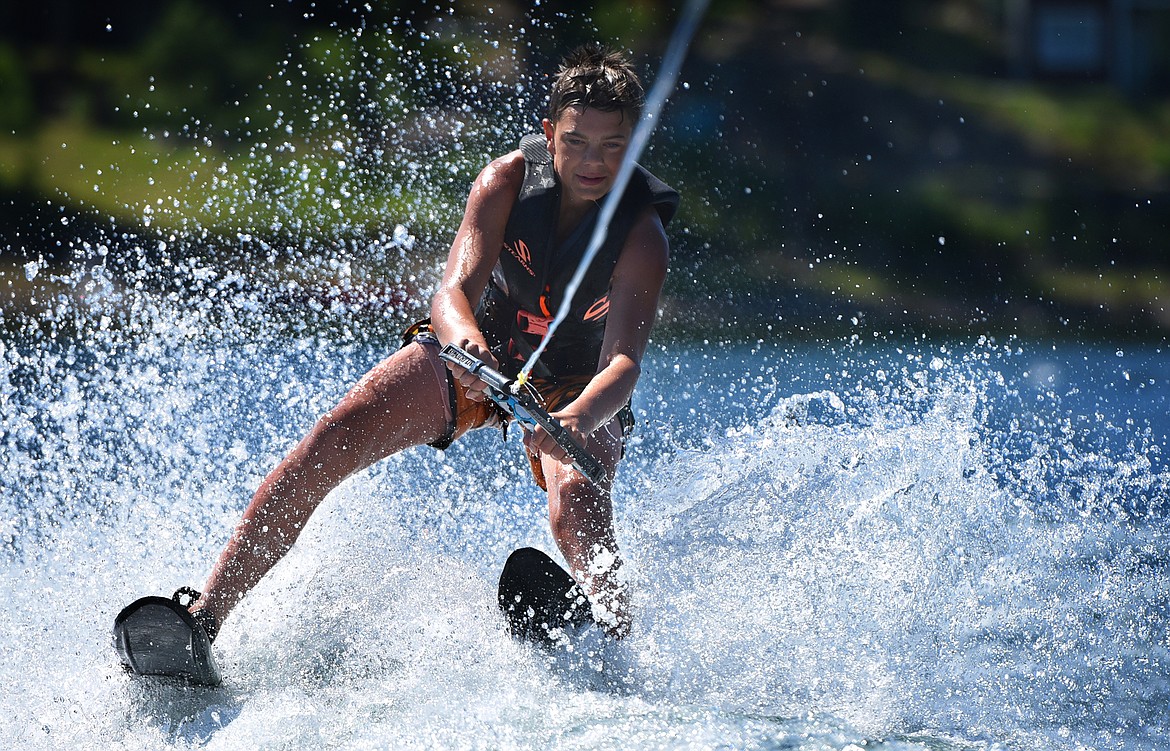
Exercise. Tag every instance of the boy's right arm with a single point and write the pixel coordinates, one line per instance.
(472, 257)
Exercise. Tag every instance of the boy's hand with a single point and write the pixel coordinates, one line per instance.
(473, 385)
(541, 441)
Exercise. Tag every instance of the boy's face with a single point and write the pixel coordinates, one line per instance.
(587, 146)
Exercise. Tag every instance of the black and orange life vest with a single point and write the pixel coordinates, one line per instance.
(528, 283)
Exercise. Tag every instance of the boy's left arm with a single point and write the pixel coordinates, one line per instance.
(633, 305)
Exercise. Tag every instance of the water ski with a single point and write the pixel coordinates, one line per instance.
(540, 599)
(157, 636)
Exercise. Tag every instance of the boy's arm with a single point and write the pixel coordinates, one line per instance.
(633, 305)
(473, 255)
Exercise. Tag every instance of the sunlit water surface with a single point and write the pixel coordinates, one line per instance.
(833, 546)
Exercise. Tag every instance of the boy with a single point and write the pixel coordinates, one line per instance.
(528, 220)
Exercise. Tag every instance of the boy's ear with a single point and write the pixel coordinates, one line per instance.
(549, 135)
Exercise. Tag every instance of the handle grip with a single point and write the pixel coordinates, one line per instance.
(583, 461)
(525, 410)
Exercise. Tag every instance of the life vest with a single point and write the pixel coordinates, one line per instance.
(528, 283)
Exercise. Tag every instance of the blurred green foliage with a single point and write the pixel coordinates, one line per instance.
(840, 160)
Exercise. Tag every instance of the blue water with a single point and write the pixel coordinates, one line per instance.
(836, 545)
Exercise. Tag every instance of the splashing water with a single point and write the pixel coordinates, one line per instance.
(864, 564)
(883, 556)
(834, 546)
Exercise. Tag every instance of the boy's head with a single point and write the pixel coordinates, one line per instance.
(597, 77)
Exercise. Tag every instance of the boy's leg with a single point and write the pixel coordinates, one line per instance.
(581, 518)
(398, 404)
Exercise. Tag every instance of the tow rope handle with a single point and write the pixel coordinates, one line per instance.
(520, 404)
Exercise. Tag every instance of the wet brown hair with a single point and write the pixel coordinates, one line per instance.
(595, 76)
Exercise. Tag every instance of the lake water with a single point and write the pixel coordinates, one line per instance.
(844, 545)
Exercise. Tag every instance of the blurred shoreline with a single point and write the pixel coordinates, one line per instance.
(842, 170)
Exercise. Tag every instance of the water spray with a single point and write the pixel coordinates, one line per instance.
(672, 61)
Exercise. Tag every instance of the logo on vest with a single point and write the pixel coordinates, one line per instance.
(523, 256)
(597, 310)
